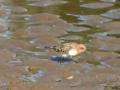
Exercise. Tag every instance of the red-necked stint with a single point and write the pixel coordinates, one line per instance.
(70, 49)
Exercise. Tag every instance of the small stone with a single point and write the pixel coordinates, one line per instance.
(58, 79)
(75, 84)
(70, 77)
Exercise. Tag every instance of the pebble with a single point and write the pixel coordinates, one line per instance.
(75, 84)
(70, 77)
(58, 79)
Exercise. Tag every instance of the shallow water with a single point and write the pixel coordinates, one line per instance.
(27, 26)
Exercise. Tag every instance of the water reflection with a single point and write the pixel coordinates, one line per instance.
(22, 16)
(28, 26)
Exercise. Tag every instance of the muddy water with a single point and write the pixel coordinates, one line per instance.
(27, 26)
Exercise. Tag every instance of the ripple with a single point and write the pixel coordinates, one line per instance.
(97, 5)
(45, 3)
(6, 34)
(113, 14)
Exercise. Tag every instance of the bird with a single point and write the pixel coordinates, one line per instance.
(69, 49)
(73, 49)
(65, 52)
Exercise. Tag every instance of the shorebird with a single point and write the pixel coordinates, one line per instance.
(69, 49)
(66, 51)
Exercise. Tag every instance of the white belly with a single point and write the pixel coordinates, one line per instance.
(72, 52)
